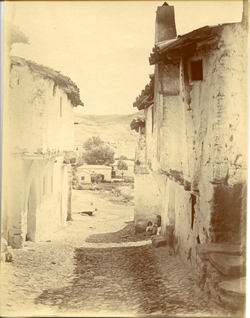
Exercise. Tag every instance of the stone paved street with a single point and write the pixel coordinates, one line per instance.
(68, 276)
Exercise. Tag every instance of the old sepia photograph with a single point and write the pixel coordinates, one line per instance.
(124, 158)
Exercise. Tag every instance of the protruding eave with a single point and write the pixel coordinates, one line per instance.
(60, 80)
(174, 48)
(146, 98)
(137, 123)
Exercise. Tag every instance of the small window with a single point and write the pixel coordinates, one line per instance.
(82, 178)
(60, 106)
(193, 202)
(76, 148)
(196, 70)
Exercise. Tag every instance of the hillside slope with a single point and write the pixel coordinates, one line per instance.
(113, 129)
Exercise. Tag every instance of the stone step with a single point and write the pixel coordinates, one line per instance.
(228, 264)
(204, 250)
(233, 292)
(158, 240)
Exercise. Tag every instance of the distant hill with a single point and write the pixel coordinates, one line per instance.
(114, 130)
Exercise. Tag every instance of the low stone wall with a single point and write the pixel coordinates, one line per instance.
(223, 280)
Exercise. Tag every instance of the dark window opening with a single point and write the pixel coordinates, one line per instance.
(82, 178)
(193, 202)
(196, 70)
(198, 240)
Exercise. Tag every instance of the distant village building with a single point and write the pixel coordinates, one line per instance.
(38, 151)
(123, 173)
(83, 176)
(85, 172)
(191, 158)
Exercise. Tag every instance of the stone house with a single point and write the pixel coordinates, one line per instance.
(105, 171)
(192, 146)
(38, 140)
(84, 176)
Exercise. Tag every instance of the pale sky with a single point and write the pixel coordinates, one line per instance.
(104, 46)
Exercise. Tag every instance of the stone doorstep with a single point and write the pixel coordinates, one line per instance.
(234, 287)
(233, 302)
(157, 237)
(204, 250)
(228, 264)
(233, 292)
(158, 240)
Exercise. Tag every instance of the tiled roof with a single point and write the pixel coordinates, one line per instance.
(146, 98)
(137, 123)
(84, 170)
(60, 80)
(170, 49)
(93, 167)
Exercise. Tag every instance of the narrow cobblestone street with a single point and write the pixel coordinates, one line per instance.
(67, 276)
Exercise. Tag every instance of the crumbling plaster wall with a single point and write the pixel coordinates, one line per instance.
(148, 199)
(44, 108)
(164, 141)
(37, 193)
(216, 117)
(37, 205)
(52, 209)
(200, 130)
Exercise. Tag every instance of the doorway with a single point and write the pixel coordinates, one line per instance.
(31, 213)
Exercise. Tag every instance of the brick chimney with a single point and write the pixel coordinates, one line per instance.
(165, 23)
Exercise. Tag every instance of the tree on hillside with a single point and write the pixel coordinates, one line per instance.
(97, 153)
(93, 142)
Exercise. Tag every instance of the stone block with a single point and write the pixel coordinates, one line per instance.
(204, 250)
(158, 240)
(233, 292)
(228, 264)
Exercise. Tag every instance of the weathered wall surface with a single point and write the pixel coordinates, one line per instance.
(148, 199)
(86, 175)
(43, 107)
(37, 196)
(38, 199)
(196, 135)
(217, 131)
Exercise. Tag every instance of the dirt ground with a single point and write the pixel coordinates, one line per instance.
(97, 267)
